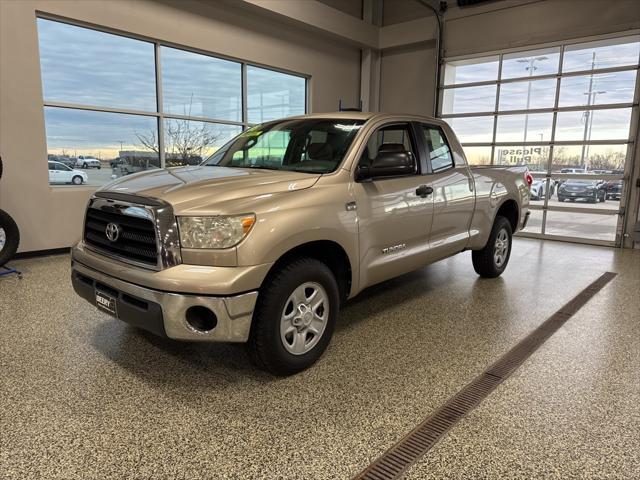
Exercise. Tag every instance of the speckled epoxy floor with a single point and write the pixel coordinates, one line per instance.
(86, 396)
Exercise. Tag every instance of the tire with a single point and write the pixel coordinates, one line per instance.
(561, 199)
(84, 165)
(592, 200)
(9, 237)
(270, 346)
(485, 261)
(99, 167)
(77, 180)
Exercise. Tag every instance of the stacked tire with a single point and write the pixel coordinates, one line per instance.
(9, 237)
(9, 234)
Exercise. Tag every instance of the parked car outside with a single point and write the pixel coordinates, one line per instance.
(539, 186)
(60, 173)
(88, 162)
(579, 189)
(613, 189)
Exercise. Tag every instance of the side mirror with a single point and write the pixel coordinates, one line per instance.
(391, 164)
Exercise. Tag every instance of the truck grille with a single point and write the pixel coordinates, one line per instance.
(136, 238)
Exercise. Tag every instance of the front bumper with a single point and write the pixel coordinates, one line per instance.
(164, 313)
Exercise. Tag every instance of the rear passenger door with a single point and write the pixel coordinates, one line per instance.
(453, 194)
(393, 219)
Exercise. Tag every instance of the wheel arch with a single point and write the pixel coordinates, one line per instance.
(510, 210)
(330, 253)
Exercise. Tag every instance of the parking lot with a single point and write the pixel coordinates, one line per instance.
(584, 225)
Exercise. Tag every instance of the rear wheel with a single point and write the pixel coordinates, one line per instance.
(492, 260)
(294, 317)
(9, 237)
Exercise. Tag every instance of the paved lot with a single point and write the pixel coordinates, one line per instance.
(581, 225)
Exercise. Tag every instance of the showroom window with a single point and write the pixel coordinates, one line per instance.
(116, 105)
(567, 112)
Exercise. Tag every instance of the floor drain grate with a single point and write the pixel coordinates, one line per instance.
(393, 463)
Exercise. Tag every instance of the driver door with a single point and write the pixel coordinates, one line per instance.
(54, 174)
(394, 220)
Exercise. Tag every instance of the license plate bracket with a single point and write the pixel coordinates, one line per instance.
(106, 303)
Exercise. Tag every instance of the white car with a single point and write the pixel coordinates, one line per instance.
(538, 189)
(88, 162)
(60, 173)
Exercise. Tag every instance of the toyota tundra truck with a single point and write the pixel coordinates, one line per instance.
(265, 240)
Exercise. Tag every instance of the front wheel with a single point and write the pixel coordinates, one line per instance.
(294, 318)
(77, 180)
(492, 260)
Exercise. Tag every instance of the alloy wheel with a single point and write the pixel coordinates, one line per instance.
(501, 248)
(304, 318)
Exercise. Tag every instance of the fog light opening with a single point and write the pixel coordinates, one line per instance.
(201, 319)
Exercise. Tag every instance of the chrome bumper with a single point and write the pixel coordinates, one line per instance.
(234, 313)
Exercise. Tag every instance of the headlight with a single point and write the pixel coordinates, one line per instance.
(214, 232)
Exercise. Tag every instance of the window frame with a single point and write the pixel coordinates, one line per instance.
(425, 149)
(159, 112)
(416, 144)
(553, 144)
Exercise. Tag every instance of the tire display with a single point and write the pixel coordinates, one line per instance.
(9, 237)
(9, 234)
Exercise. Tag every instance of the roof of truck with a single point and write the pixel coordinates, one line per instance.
(366, 116)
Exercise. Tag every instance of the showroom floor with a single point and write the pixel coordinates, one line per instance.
(86, 396)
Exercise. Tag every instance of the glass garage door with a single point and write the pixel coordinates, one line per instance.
(569, 112)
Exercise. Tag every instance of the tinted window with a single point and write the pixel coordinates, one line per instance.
(437, 148)
(311, 146)
(188, 142)
(390, 137)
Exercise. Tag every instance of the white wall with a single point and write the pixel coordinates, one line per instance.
(407, 80)
(51, 217)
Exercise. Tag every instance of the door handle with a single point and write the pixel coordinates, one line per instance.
(423, 191)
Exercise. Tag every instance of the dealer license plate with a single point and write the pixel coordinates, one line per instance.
(106, 302)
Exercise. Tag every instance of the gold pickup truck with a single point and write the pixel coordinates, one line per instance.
(263, 241)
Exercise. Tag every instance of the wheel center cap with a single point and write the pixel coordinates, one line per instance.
(306, 318)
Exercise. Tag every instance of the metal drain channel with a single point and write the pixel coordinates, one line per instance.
(394, 462)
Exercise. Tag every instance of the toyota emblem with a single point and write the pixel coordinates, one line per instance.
(112, 232)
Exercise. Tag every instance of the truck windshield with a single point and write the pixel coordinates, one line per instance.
(302, 145)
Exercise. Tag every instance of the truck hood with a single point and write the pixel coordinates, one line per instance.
(202, 189)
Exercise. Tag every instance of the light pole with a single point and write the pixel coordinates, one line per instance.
(531, 68)
(588, 115)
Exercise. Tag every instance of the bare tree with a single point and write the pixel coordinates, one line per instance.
(186, 141)
(149, 141)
